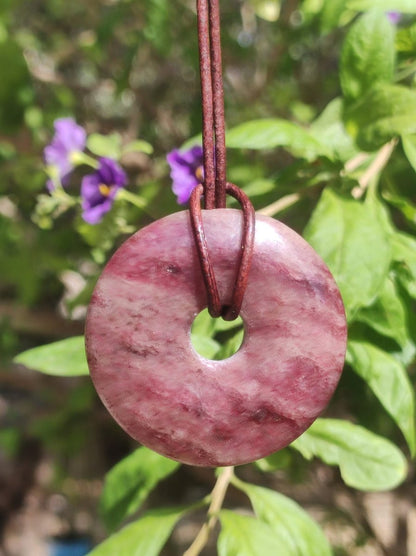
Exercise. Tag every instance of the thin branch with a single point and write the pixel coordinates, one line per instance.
(280, 204)
(356, 162)
(217, 500)
(375, 168)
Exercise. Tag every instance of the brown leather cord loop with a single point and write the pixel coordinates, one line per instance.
(247, 247)
(213, 133)
(218, 106)
(207, 103)
(213, 297)
(215, 308)
(215, 186)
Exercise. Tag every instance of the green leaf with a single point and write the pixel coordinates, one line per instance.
(231, 346)
(129, 483)
(267, 9)
(277, 460)
(15, 86)
(202, 332)
(409, 147)
(405, 6)
(10, 441)
(243, 535)
(404, 254)
(271, 133)
(368, 54)
(259, 186)
(330, 130)
(105, 145)
(205, 346)
(366, 461)
(145, 537)
(63, 358)
(390, 383)
(403, 204)
(387, 315)
(288, 520)
(385, 112)
(138, 146)
(352, 239)
(331, 14)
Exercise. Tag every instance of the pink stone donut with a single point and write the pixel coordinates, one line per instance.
(203, 412)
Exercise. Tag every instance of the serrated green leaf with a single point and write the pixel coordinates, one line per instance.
(271, 133)
(105, 145)
(405, 6)
(366, 461)
(368, 54)
(409, 147)
(243, 535)
(129, 483)
(390, 383)
(63, 358)
(288, 520)
(138, 146)
(352, 239)
(384, 112)
(145, 537)
(387, 315)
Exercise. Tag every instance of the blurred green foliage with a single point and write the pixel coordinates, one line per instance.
(320, 105)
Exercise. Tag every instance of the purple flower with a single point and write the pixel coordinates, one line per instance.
(394, 17)
(98, 190)
(69, 138)
(186, 171)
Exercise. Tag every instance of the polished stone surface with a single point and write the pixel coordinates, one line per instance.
(204, 412)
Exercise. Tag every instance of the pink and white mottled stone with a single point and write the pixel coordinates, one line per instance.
(215, 413)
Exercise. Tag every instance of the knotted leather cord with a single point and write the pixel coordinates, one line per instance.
(215, 186)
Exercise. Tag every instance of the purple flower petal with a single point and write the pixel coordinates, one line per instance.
(94, 215)
(69, 137)
(185, 171)
(394, 17)
(98, 190)
(111, 172)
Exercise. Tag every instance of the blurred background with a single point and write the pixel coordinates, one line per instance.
(131, 66)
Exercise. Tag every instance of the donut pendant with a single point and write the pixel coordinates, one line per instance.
(203, 412)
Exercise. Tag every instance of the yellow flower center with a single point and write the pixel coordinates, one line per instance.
(104, 189)
(199, 173)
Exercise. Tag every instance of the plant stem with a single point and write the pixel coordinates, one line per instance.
(132, 198)
(375, 168)
(281, 204)
(356, 162)
(78, 158)
(217, 499)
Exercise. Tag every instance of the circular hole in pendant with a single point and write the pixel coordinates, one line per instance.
(216, 339)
